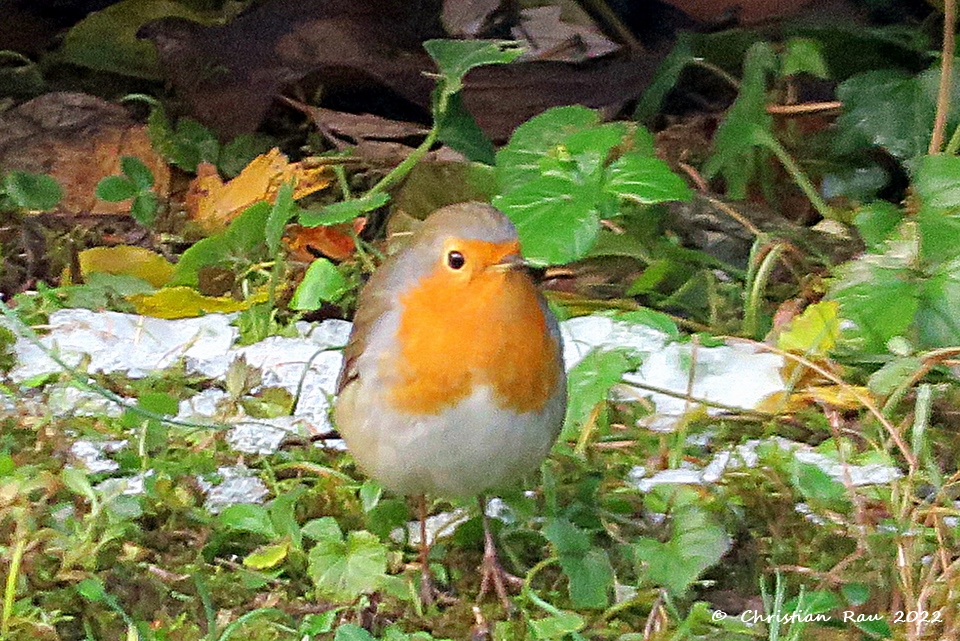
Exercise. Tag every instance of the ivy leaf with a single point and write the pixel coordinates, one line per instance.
(460, 131)
(866, 286)
(588, 570)
(519, 161)
(345, 569)
(456, 57)
(556, 218)
(646, 180)
(891, 110)
(696, 544)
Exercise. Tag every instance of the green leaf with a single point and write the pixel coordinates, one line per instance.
(266, 557)
(460, 131)
(134, 169)
(816, 485)
(323, 282)
(557, 219)
(243, 239)
(283, 515)
(557, 626)
(159, 403)
(875, 628)
(589, 150)
(654, 319)
(891, 376)
(370, 493)
(342, 212)
(937, 320)
(344, 570)
(519, 161)
(352, 632)
(115, 189)
(645, 180)
(735, 153)
(247, 517)
(855, 593)
(876, 221)
(696, 544)
(185, 145)
(386, 516)
(92, 590)
(324, 528)
(666, 77)
(590, 578)
(816, 602)
(281, 212)
(803, 55)
(937, 180)
(456, 57)
(192, 143)
(891, 110)
(865, 288)
(589, 383)
(76, 481)
(939, 231)
(143, 209)
(37, 192)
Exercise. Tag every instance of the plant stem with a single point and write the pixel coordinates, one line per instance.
(417, 154)
(946, 76)
(766, 140)
(752, 312)
(10, 589)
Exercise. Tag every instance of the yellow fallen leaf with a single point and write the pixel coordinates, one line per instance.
(843, 398)
(840, 397)
(814, 332)
(124, 260)
(185, 302)
(213, 203)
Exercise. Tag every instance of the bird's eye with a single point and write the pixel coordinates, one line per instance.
(455, 260)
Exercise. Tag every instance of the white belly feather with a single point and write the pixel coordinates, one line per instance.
(465, 450)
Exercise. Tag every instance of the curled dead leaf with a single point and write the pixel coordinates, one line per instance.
(213, 203)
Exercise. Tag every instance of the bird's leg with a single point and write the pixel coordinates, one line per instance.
(493, 574)
(428, 591)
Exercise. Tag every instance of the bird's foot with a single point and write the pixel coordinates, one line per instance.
(495, 578)
(430, 593)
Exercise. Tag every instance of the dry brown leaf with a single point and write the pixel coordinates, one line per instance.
(335, 242)
(213, 203)
(78, 140)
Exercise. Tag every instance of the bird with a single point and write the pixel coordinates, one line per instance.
(452, 383)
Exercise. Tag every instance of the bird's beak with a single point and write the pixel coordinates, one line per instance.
(511, 262)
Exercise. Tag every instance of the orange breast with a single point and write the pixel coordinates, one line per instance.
(455, 335)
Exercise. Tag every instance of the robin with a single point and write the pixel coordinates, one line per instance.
(452, 382)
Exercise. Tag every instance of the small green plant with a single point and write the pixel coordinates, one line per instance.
(23, 190)
(564, 170)
(189, 143)
(136, 183)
